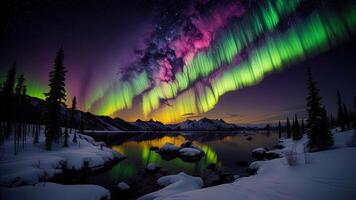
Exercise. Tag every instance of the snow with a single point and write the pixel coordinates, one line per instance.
(190, 152)
(259, 151)
(152, 167)
(123, 186)
(53, 191)
(326, 175)
(35, 164)
(174, 184)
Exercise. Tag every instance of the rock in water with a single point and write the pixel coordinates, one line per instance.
(123, 186)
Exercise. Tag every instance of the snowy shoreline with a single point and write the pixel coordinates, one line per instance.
(325, 174)
(35, 164)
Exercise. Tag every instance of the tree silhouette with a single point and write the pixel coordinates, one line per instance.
(7, 96)
(279, 129)
(340, 112)
(288, 128)
(319, 134)
(55, 98)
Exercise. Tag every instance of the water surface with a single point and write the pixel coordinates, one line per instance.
(224, 149)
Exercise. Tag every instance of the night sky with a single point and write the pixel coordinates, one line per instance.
(243, 61)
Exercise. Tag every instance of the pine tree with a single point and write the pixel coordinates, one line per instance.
(55, 98)
(72, 112)
(18, 111)
(302, 128)
(296, 132)
(279, 129)
(346, 117)
(288, 128)
(81, 125)
(7, 96)
(318, 133)
(354, 122)
(65, 144)
(340, 112)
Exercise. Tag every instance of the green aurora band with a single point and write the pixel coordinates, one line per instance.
(319, 32)
(257, 30)
(266, 17)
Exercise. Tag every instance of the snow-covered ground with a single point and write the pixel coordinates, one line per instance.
(53, 191)
(174, 184)
(35, 164)
(323, 175)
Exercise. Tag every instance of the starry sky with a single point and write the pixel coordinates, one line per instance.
(243, 61)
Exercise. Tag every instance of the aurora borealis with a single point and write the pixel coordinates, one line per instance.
(187, 56)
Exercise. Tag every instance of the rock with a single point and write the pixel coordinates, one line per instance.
(123, 186)
(236, 176)
(211, 166)
(190, 154)
(212, 179)
(169, 147)
(259, 153)
(154, 148)
(279, 146)
(187, 143)
(242, 163)
(249, 138)
(152, 167)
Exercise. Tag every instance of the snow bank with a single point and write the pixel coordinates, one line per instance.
(327, 175)
(53, 191)
(174, 184)
(36, 164)
(259, 151)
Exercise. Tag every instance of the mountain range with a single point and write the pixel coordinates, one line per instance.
(34, 108)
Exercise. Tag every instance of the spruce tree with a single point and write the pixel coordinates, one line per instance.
(340, 112)
(302, 128)
(65, 144)
(346, 117)
(318, 132)
(7, 96)
(55, 98)
(354, 122)
(296, 132)
(288, 128)
(279, 129)
(72, 112)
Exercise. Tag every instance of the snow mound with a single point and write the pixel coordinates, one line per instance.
(123, 186)
(174, 184)
(35, 164)
(53, 191)
(259, 151)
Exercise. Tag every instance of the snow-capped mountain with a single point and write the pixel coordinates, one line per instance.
(204, 124)
(150, 125)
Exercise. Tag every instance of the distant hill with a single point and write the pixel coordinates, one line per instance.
(205, 124)
(35, 107)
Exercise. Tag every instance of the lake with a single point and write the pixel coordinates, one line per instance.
(224, 149)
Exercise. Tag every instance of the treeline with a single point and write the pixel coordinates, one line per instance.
(318, 124)
(13, 100)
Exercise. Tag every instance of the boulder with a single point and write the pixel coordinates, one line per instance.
(123, 186)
